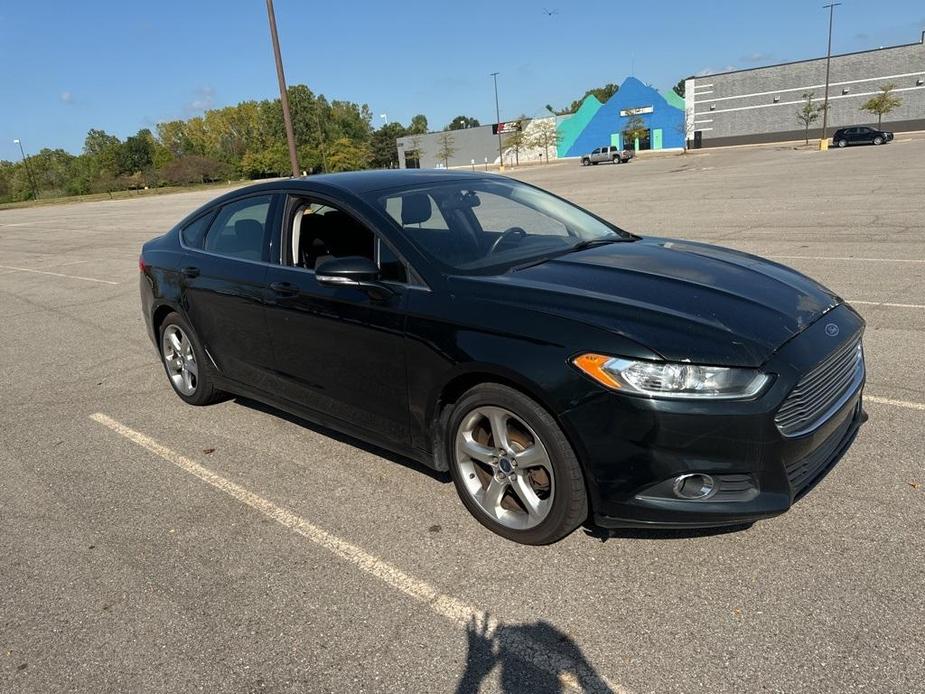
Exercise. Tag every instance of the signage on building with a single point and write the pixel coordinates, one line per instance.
(507, 127)
(638, 111)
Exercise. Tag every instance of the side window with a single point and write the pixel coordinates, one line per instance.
(194, 232)
(321, 232)
(238, 230)
(496, 213)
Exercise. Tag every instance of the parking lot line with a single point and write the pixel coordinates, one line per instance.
(897, 403)
(884, 303)
(847, 257)
(445, 606)
(56, 274)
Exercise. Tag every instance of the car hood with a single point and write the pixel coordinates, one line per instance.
(680, 299)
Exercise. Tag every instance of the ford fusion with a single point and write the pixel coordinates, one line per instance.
(562, 370)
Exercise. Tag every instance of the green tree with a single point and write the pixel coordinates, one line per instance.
(462, 122)
(345, 154)
(809, 113)
(602, 94)
(680, 87)
(516, 141)
(882, 104)
(418, 125)
(383, 146)
(414, 151)
(445, 148)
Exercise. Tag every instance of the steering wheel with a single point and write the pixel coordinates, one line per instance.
(505, 235)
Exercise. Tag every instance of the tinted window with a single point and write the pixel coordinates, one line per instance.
(238, 230)
(194, 232)
(392, 269)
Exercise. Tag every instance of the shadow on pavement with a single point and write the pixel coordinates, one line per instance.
(533, 658)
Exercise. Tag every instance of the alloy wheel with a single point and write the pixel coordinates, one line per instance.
(180, 360)
(505, 467)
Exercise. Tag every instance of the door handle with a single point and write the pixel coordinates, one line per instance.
(284, 288)
(190, 271)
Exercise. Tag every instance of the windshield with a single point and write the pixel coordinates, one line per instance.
(488, 226)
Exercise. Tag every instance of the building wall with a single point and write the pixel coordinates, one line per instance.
(760, 105)
(470, 143)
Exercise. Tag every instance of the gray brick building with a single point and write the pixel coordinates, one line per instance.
(760, 105)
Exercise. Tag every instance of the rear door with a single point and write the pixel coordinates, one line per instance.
(225, 274)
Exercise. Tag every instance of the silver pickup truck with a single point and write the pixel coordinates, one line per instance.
(612, 153)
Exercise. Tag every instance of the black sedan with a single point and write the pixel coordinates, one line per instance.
(860, 135)
(561, 369)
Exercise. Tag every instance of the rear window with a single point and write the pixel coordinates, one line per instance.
(239, 228)
(194, 232)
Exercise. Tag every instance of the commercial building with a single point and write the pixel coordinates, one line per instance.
(657, 121)
(761, 104)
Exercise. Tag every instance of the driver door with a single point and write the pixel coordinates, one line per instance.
(338, 350)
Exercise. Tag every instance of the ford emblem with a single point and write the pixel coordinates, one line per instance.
(831, 330)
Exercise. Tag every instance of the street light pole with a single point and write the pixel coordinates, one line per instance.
(498, 121)
(35, 193)
(385, 117)
(283, 97)
(828, 62)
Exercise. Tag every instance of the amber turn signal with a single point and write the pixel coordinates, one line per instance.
(593, 365)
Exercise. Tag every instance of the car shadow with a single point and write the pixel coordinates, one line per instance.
(344, 438)
(534, 658)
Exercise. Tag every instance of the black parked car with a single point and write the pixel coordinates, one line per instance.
(559, 367)
(860, 135)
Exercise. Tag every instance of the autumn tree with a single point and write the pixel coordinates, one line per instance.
(882, 104)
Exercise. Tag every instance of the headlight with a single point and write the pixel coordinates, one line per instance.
(672, 380)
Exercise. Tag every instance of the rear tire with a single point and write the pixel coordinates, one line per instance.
(185, 362)
(527, 485)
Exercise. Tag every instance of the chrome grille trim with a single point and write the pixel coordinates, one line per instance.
(822, 391)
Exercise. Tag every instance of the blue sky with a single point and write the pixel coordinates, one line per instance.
(71, 66)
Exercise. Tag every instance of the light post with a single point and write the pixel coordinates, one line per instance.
(35, 193)
(498, 121)
(283, 97)
(824, 142)
(385, 117)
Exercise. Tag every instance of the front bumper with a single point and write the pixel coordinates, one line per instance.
(633, 447)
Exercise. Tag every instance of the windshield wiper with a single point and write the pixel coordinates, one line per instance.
(591, 243)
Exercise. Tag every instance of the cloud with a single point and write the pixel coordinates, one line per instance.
(712, 71)
(67, 97)
(757, 57)
(203, 99)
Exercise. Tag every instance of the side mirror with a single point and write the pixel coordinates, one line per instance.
(353, 271)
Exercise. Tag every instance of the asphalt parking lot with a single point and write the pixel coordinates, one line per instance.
(152, 546)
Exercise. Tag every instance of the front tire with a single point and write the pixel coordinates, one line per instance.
(186, 363)
(878, 140)
(843, 143)
(512, 466)
(585, 162)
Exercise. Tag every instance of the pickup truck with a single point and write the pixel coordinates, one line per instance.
(612, 154)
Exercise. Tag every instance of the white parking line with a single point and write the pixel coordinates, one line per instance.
(570, 673)
(896, 403)
(885, 303)
(846, 257)
(56, 274)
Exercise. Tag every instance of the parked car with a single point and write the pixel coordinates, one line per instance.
(612, 154)
(860, 135)
(560, 368)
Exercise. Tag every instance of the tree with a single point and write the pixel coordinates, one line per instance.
(602, 94)
(463, 122)
(635, 127)
(516, 141)
(809, 113)
(345, 154)
(685, 127)
(418, 125)
(445, 148)
(679, 87)
(883, 103)
(383, 145)
(542, 133)
(414, 152)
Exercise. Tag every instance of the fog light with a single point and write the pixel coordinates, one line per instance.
(694, 486)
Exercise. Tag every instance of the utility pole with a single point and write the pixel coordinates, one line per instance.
(824, 142)
(283, 97)
(498, 121)
(35, 193)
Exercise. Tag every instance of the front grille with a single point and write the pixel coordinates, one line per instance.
(802, 473)
(822, 391)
